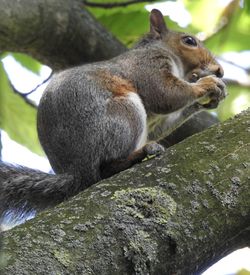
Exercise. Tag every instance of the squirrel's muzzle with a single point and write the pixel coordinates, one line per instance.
(215, 69)
(211, 69)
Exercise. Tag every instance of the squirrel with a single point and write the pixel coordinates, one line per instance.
(92, 119)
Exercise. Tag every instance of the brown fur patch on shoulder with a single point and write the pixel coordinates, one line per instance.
(117, 85)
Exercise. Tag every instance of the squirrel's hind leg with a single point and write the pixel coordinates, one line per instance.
(116, 166)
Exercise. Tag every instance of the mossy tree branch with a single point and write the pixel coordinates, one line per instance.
(175, 214)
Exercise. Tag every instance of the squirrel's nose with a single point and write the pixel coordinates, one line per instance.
(217, 70)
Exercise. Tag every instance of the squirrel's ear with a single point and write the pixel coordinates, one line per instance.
(157, 24)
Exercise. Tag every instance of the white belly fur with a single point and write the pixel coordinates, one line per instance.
(136, 100)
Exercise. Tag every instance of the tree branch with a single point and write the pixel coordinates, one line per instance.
(58, 33)
(115, 4)
(236, 82)
(176, 214)
(23, 96)
(39, 85)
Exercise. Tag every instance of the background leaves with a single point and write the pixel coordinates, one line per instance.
(17, 117)
(28, 62)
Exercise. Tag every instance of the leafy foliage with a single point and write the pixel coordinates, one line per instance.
(128, 24)
(243, 272)
(17, 118)
(28, 62)
(234, 35)
(238, 98)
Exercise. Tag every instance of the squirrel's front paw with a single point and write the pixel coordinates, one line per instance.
(209, 91)
(153, 148)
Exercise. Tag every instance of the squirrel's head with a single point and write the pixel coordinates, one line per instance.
(196, 59)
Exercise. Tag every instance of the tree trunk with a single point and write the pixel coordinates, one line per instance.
(175, 214)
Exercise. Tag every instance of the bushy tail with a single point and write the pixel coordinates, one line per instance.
(23, 189)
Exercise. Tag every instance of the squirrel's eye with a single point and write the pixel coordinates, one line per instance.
(189, 40)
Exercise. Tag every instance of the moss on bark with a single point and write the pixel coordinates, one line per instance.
(177, 213)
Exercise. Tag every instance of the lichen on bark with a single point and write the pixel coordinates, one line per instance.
(145, 203)
(177, 213)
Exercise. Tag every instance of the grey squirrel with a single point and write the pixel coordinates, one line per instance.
(92, 119)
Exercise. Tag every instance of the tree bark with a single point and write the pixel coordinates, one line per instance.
(59, 33)
(175, 214)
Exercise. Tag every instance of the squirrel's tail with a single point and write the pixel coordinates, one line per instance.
(23, 189)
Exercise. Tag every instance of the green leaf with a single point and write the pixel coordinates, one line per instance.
(235, 36)
(17, 118)
(134, 6)
(247, 6)
(205, 14)
(209, 17)
(127, 24)
(27, 62)
(243, 272)
(127, 27)
(238, 99)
